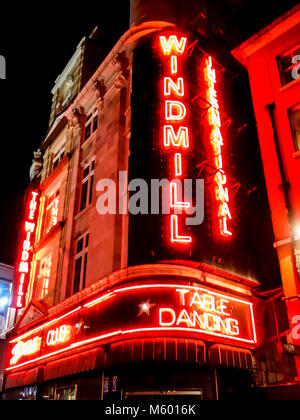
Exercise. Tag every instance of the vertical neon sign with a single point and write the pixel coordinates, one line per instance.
(222, 193)
(24, 265)
(175, 133)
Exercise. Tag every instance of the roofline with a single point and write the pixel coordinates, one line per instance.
(133, 35)
(268, 34)
(60, 79)
(129, 37)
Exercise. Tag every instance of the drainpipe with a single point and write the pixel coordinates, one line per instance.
(286, 188)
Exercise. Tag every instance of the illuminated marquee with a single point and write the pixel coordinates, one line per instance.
(222, 192)
(144, 309)
(175, 132)
(24, 265)
(23, 349)
(33, 346)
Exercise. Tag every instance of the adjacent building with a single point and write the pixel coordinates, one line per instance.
(272, 59)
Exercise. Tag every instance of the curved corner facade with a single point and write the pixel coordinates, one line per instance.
(120, 305)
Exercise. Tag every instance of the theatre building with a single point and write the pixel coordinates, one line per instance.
(112, 304)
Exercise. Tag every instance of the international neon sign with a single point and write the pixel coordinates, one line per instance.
(136, 310)
(175, 132)
(24, 265)
(221, 185)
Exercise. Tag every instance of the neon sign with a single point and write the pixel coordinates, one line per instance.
(58, 336)
(32, 346)
(222, 193)
(27, 348)
(176, 134)
(54, 213)
(45, 275)
(140, 309)
(24, 266)
(205, 311)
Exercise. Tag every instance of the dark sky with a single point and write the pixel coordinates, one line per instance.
(37, 42)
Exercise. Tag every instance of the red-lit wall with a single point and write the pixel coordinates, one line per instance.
(267, 89)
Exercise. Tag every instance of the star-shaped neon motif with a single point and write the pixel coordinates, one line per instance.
(145, 308)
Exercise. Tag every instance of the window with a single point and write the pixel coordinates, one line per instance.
(51, 218)
(91, 125)
(289, 64)
(294, 115)
(66, 393)
(87, 185)
(81, 259)
(58, 156)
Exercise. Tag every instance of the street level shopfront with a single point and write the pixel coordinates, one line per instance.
(153, 331)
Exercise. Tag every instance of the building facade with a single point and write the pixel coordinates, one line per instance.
(272, 59)
(112, 304)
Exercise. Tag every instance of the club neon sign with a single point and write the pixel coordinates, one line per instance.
(175, 132)
(134, 310)
(222, 193)
(59, 336)
(24, 266)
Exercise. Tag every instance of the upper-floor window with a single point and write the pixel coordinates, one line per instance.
(87, 185)
(52, 206)
(289, 65)
(58, 156)
(81, 259)
(91, 125)
(294, 115)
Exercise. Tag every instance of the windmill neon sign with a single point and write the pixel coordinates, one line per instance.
(175, 132)
(24, 266)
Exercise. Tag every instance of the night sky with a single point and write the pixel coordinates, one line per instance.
(37, 42)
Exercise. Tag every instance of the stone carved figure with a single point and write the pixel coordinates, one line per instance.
(2, 68)
(37, 164)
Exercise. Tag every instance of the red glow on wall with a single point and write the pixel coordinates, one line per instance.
(175, 131)
(25, 259)
(222, 194)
